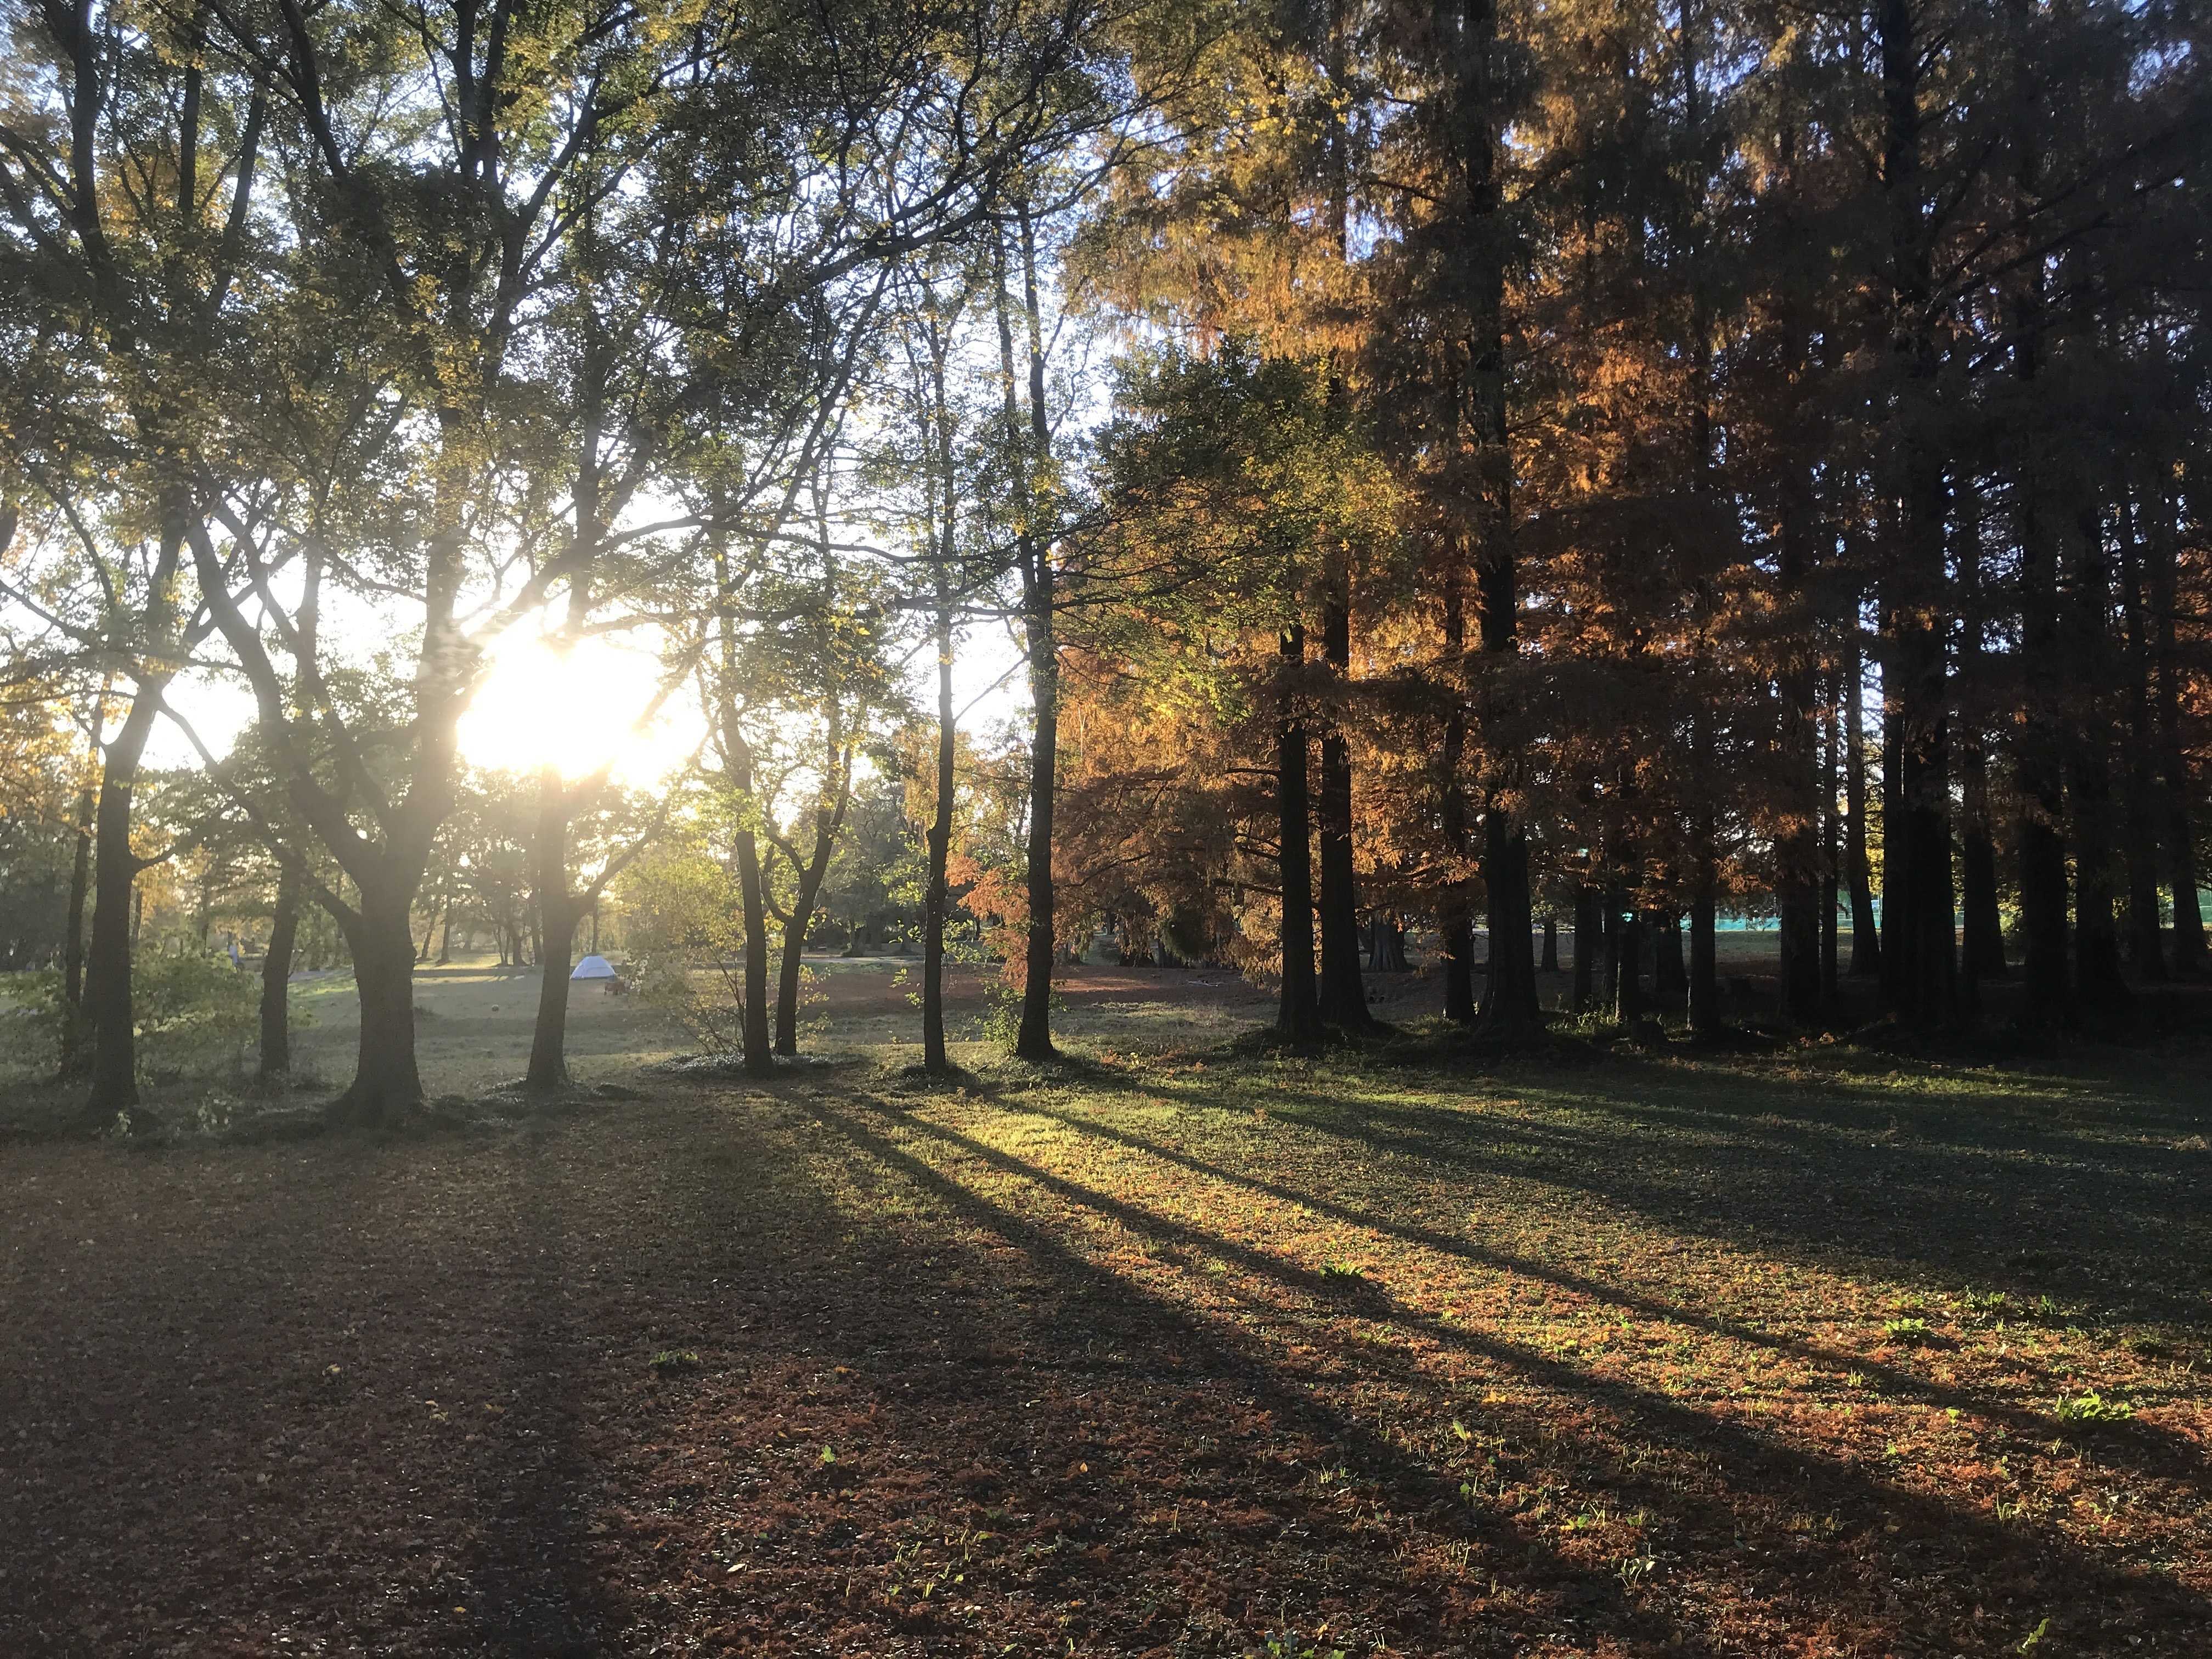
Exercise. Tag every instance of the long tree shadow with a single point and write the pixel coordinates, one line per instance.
(921, 1395)
(1117, 1457)
(2152, 1450)
(1111, 1303)
(2102, 1214)
(534, 1593)
(1758, 1471)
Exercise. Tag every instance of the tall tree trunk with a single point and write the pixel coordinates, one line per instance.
(1297, 1015)
(1510, 1003)
(1386, 948)
(386, 1088)
(2046, 1001)
(2099, 983)
(1832, 853)
(792, 973)
(759, 1052)
(1916, 883)
(1705, 966)
(277, 978)
(108, 1012)
(1341, 994)
(1705, 976)
(549, 1058)
(1983, 955)
(1798, 848)
(1587, 930)
(935, 1059)
(758, 1058)
(2190, 954)
(74, 1049)
(1705, 987)
(1630, 1002)
(828, 819)
(2046, 975)
(557, 912)
(109, 1016)
(1550, 962)
(1455, 913)
(1509, 1006)
(1609, 990)
(1858, 869)
(2146, 946)
(1033, 1039)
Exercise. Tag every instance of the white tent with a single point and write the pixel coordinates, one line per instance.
(593, 967)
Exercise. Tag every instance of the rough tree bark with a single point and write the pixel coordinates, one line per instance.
(1298, 1015)
(1832, 853)
(557, 914)
(1798, 848)
(1630, 1002)
(1858, 869)
(2189, 942)
(1982, 954)
(276, 1056)
(1509, 1007)
(1386, 944)
(380, 930)
(2047, 1000)
(759, 1048)
(1033, 1038)
(2100, 986)
(2146, 944)
(109, 1018)
(935, 1058)
(828, 820)
(1920, 949)
(1587, 928)
(73, 1050)
(1341, 994)
(1455, 911)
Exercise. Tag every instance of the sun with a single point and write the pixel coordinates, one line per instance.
(576, 710)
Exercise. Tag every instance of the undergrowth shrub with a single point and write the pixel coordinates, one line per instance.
(194, 1013)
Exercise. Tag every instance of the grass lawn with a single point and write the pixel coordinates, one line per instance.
(1181, 1348)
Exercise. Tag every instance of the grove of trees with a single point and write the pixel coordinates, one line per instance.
(1464, 469)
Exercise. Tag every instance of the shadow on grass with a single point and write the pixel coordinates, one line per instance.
(1943, 1186)
(2149, 1449)
(950, 1400)
(1720, 1489)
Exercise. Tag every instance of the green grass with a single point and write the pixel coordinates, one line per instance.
(1656, 1282)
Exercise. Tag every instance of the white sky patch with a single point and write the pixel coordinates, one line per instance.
(578, 711)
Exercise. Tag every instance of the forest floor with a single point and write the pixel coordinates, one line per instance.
(1180, 1347)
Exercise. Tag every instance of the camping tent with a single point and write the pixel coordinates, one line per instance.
(593, 967)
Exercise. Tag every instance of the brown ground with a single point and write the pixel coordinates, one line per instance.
(1176, 1353)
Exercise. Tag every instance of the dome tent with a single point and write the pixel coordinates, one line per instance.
(593, 967)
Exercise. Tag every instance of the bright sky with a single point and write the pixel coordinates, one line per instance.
(533, 708)
(578, 712)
